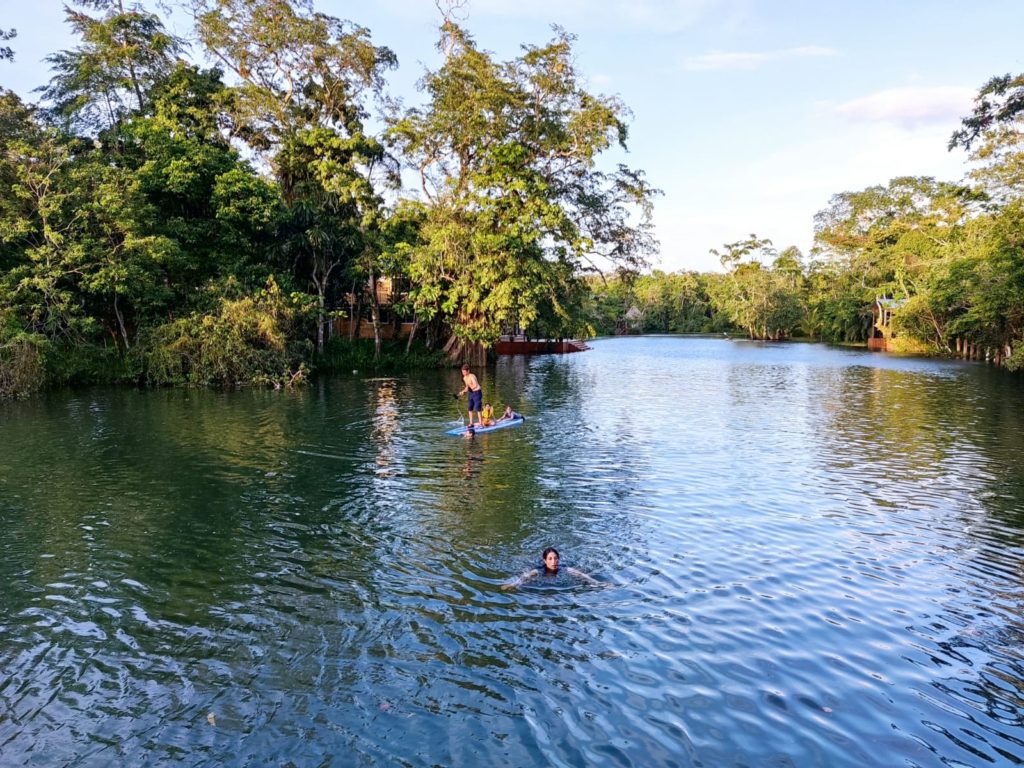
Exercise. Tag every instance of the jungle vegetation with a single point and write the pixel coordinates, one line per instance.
(169, 222)
(949, 255)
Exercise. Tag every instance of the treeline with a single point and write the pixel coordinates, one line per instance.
(166, 222)
(169, 223)
(947, 257)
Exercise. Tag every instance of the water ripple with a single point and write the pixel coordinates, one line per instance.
(807, 558)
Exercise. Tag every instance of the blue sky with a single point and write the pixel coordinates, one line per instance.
(748, 114)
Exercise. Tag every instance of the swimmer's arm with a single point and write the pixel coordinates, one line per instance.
(531, 574)
(584, 576)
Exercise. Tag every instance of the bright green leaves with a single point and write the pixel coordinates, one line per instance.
(122, 55)
(763, 290)
(247, 340)
(505, 153)
(296, 68)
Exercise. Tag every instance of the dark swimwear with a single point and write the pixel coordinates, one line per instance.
(476, 400)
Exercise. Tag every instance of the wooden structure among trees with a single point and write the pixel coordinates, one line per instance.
(881, 326)
(522, 345)
(388, 298)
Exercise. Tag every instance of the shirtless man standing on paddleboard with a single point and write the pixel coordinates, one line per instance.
(476, 395)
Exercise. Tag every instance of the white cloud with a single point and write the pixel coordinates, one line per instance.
(911, 107)
(751, 60)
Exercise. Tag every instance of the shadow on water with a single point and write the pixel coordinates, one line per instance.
(810, 557)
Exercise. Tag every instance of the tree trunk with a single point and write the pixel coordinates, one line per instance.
(452, 349)
(357, 319)
(471, 353)
(480, 355)
(412, 333)
(375, 315)
(319, 320)
(120, 322)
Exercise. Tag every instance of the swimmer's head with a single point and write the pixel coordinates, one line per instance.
(551, 558)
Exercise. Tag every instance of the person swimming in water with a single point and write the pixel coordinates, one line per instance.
(550, 566)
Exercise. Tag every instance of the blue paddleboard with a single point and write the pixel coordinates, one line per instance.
(479, 430)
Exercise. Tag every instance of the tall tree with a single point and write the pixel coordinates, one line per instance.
(303, 80)
(123, 54)
(200, 194)
(506, 154)
(296, 68)
(878, 232)
(762, 290)
(999, 101)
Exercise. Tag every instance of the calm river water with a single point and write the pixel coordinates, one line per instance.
(810, 557)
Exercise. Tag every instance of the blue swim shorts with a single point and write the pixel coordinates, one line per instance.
(476, 400)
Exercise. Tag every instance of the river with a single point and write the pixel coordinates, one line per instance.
(808, 556)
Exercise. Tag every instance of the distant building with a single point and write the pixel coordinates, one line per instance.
(391, 295)
(631, 322)
(881, 327)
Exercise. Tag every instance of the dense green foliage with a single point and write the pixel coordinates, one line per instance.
(167, 223)
(950, 257)
(164, 222)
(514, 205)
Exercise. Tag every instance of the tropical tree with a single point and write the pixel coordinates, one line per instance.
(761, 293)
(303, 78)
(607, 302)
(34, 218)
(674, 302)
(999, 101)
(123, 54)
(21, 350)
(220, 215)
(835, 305)
(506, 154)
(882, 241)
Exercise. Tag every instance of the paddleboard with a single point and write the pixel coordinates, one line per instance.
(492, 428)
